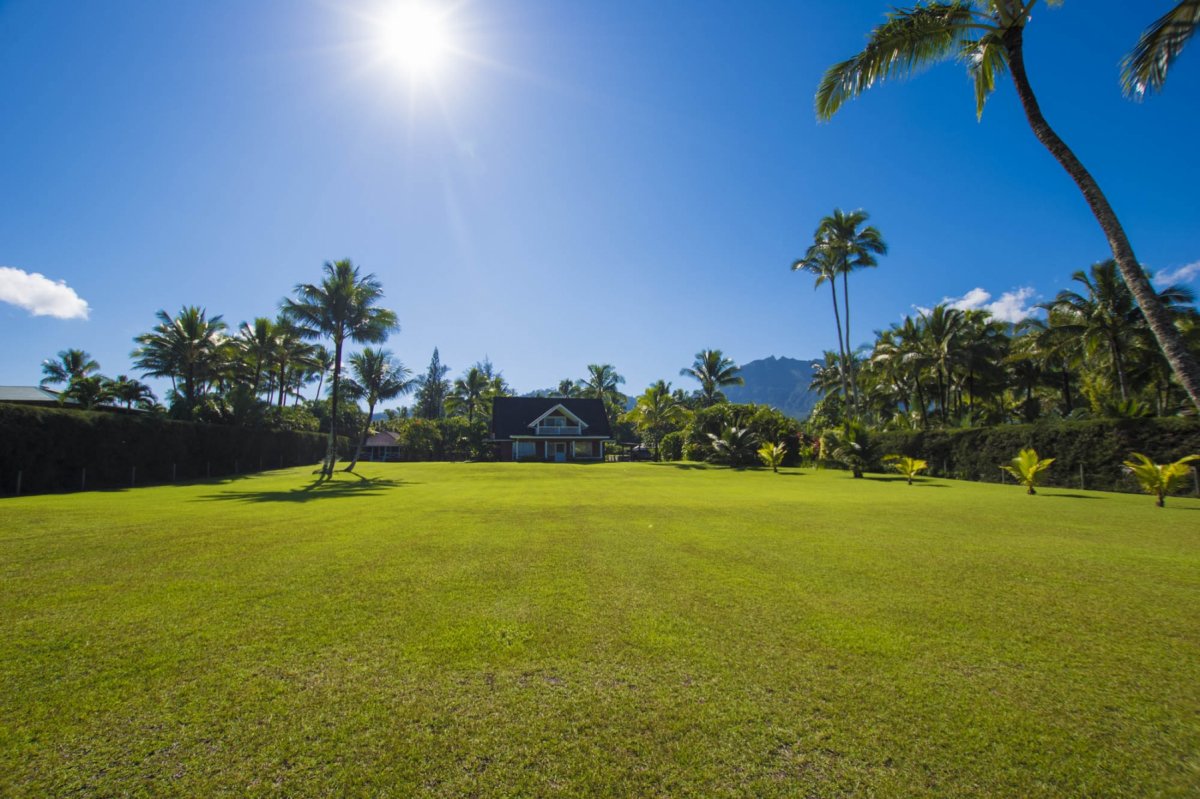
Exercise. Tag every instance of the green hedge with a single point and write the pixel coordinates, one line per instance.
(52, 448)
(1098, 446)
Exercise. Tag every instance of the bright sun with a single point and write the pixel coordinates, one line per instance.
(415, 37)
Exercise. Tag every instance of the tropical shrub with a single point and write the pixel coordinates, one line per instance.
(848, 446)
(1159, 479)
(735, 446)
(909, 467)
(671, 446)
(1027, 467)
(772, 455)
(1089, 452)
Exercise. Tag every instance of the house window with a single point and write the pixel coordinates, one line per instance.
(584, 449)
(523, 449)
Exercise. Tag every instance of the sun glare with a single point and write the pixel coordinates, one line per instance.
(415, 37)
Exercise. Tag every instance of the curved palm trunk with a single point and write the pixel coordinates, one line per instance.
(362, 440)
(853, 398)
(1183, 364)
(331, 450)
(837, 319)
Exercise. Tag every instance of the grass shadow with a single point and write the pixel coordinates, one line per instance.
(316, 490)
(679, 465)
(887, 478)
(1071, 496)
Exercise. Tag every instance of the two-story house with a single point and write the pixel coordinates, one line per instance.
(556, 429)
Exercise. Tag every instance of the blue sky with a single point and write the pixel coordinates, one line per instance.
(619, 182)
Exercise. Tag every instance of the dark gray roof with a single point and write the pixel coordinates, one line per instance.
(512, 415)
(35, 394)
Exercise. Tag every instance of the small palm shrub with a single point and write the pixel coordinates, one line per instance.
(1027, 467)
(772, 455)
(736, 446)
(847, 446)
(1159, 479)
(909, 467)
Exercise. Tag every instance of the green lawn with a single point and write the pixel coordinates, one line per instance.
(612, 630)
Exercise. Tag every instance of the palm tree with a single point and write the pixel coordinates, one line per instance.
(566, 388)
(470, 393)
(939, 333)
(88, 391)
(378, 377)
(342, 306)
(1027, 467)
(257, 342)
(1105, 317)
(714, 371)
(601, 383)
(1159, 479)
(186, 348)
(129, 391)
(322, 362)
(71, 365)
(657, 413)
(851, 246)
(821, 263)
(988, 37)
(1145, 68)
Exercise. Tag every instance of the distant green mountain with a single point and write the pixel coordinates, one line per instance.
(781, 383)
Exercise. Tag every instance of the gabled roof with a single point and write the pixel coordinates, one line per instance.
(512, 415)
(566, 412)
(384, 438)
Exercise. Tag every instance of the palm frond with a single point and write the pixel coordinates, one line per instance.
(910, 39)
(1145, 67)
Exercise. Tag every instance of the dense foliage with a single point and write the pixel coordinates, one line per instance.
(60, 450)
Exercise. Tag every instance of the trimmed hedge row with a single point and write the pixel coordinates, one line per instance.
(52, 448)
(1098, 446)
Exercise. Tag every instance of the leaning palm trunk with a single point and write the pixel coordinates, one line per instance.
(362, 440)
(841, 347)
(852, 400)
(331, 449)
(1186, 369)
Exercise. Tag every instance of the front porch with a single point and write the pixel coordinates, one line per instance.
(551, 450)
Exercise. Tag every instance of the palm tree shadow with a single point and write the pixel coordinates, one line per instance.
(1071, 496)
(319, 489)
(917, 482)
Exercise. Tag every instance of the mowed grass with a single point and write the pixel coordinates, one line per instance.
(607, 630)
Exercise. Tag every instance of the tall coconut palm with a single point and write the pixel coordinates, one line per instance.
(341, 307)
(987, 36)
(713, 371)
(187, 349)
(70, 365)
(1145, 68)
(939, 337)
(601, 383)
(821, 263)
(851, 246)
(566, 388)
(378, 377)
(257, 342)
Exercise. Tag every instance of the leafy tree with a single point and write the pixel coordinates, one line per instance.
(772, 455)
(70, 365)
(987, 36)
(713, 371)
(343, 306)
(1159, 479)
(909, 467)
(378, 377)
(186, 348)
(1145, 68)
(432, 390)
(1027, 467)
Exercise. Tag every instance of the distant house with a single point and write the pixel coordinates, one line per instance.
(382, 446)
(32, 395)
(549, 428)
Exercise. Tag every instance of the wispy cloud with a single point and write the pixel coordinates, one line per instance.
(1184, 274)
(40, 295)
(1013, 306)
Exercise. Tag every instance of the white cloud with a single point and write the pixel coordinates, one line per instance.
(1184, 274)
(1013, 306)
(40, 295)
